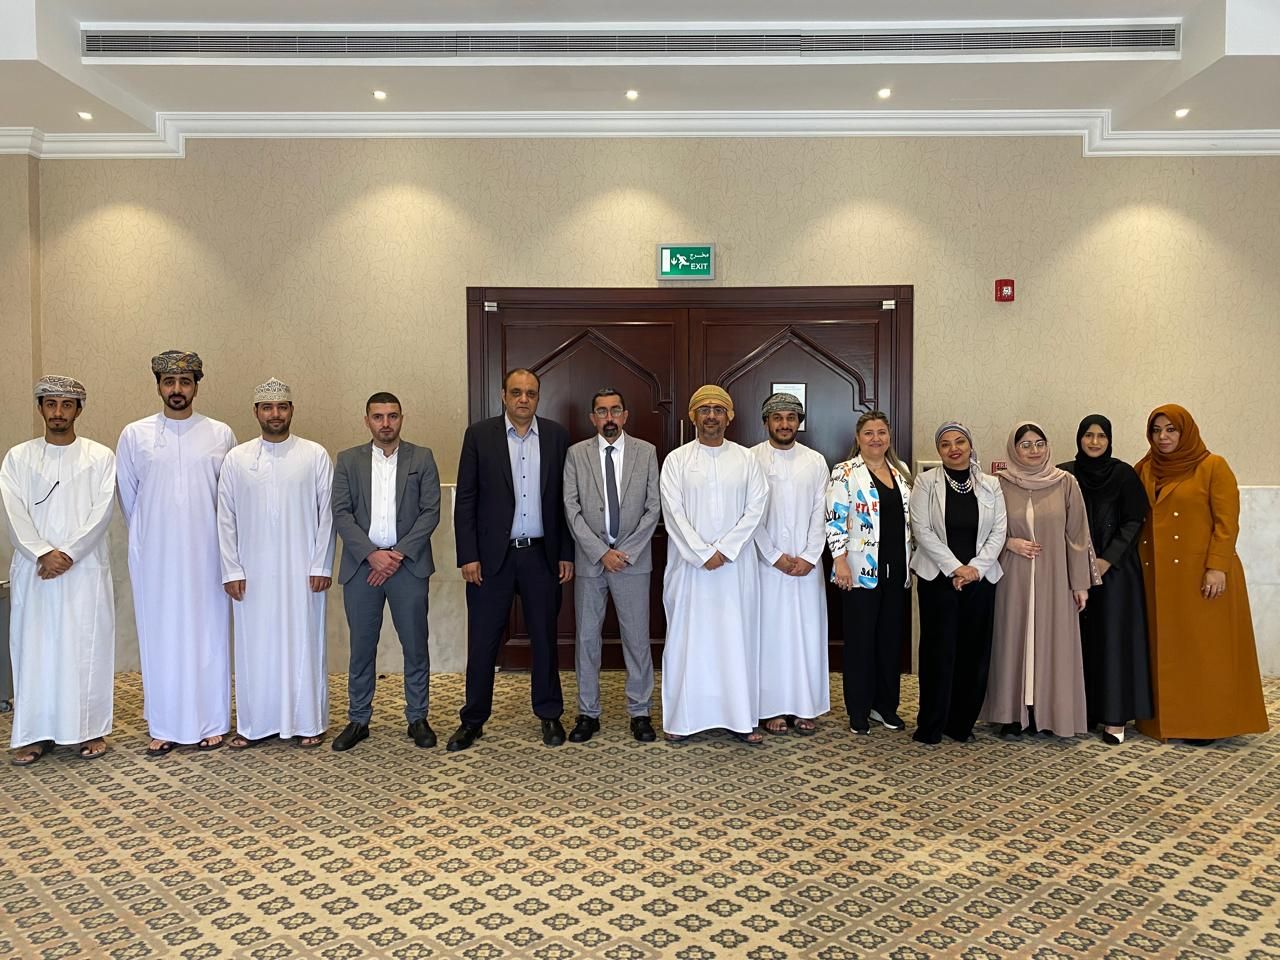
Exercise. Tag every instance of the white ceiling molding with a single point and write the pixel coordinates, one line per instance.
(26, 140)
(1092, 126)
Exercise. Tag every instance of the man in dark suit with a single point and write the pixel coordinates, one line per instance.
(386, 504)
(512, 539)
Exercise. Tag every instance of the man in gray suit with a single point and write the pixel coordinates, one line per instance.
(612, 505)
(386, 504)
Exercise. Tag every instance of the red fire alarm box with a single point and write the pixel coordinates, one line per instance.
(1004, 291)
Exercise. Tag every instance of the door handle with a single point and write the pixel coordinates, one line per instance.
(682, 432)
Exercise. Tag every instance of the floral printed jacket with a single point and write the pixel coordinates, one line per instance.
(853, 520)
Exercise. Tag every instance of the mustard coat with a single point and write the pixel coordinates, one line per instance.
(1204, 663)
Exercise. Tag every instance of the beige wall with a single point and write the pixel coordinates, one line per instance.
(19, 280)
(340, 266)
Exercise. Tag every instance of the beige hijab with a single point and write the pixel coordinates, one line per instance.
(1030, 478)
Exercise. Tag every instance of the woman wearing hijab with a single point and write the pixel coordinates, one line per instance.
(958, 525)
(1113, 628)
(1203, 659)
(1037, 676)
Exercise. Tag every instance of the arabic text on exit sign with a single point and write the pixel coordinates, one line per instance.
(686, 261)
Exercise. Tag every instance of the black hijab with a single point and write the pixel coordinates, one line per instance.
(1097, 476)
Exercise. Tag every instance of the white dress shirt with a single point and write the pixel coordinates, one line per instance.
(382, 508)
(604, 479)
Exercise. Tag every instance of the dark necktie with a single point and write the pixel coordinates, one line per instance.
(611, 491)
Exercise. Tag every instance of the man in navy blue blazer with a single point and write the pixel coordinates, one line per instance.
(512, 539)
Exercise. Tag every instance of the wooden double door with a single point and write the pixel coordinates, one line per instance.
(849, 346)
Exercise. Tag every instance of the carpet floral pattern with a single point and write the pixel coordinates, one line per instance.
(826, 847)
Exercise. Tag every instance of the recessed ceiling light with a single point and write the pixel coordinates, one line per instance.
(379, 94)
(633, 94)
(1181, 112)
(884, 93)
(85, 115)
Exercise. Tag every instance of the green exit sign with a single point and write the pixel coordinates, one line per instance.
(686, 261)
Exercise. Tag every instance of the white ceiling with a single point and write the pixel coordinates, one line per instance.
(1227, 73)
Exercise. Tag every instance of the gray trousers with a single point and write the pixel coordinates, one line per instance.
(630, 592)
(407, 596)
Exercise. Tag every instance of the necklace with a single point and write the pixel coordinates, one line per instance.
(965, 487)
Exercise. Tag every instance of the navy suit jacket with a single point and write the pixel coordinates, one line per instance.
(486, 500)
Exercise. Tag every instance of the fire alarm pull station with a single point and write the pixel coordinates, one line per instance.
(1004, 291)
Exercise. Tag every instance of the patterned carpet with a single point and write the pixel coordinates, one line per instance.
(826, 847)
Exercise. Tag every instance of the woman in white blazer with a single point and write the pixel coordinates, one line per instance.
(869, 536)
(958, 522)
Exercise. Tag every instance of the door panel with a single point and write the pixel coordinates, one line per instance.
(837, 360)
(575, 350)
(844, 356)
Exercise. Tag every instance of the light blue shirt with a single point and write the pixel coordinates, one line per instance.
(526, 479)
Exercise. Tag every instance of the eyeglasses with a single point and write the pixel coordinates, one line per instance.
(705, 411)
(609, 412)
(1033, 444)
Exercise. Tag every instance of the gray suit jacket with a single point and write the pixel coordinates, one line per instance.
(638, 498)
(417, 507)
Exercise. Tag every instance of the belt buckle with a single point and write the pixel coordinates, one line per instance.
(521, 542)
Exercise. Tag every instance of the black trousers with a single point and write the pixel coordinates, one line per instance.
(955, 656)
(874, 620)
(525, 573)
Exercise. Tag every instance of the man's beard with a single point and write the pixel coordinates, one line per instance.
(177, 401)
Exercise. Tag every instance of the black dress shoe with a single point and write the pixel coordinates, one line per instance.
(464, 737)
(552, 732)
(421, 733)
(583, 730)
(1010, 731)
(351, 734)
(642, 729)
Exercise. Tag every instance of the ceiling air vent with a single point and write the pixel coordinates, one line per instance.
(540, 45)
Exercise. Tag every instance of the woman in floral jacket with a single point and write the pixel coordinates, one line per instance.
(869, 535)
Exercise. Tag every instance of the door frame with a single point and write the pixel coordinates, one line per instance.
(484, 390)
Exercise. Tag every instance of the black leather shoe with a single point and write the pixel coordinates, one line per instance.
(1010, 731)
(351, 734)
(552, 732)
(642, 729)
(583, 730)
(421, 733)
(464, 737)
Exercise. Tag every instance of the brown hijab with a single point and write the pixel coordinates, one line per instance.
(1171, 467)
(1030, 478)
